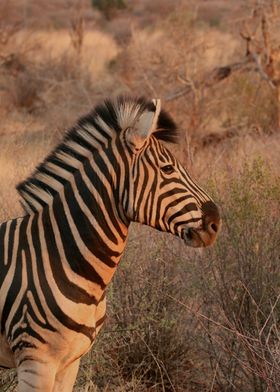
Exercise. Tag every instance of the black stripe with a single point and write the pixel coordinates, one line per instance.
(92, 204)
(78, 138)
(58, 162)
(122, 154)
(72, 252)
(24, 245)
(153, 188)
(185, 210)
(164, 154)
(16, 282)
(198, 193)
(42, 185)
(69, 289)
(103, 192)
(29, 384)
(3, 268)
(100, 321)
(89, 235)
(11, 239)
(35, 197)
(191, 220)
(91, 121)
(30, 333)
(76, 260)
(155, 165)
(108, 113)
(18, 315)
(176, 202)
(137, 170)
(68, 150)
(173, 203)
(139, 193)
(58, 178)
(3, 228)
(67, 321)
(174, 181)
(102, 296)
(30, 275)
(167, 195)
(30, 358)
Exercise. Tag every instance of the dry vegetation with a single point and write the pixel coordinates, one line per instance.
(179, 319)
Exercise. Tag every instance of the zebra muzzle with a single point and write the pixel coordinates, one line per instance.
(198, 238)
(193, 238)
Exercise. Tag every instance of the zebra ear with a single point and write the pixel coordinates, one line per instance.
(144, 127)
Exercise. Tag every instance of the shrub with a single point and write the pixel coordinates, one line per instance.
(148, 343)
(184, 320)
(108, 6)
(241, 289)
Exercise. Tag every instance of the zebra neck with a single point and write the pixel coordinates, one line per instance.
(84, 230)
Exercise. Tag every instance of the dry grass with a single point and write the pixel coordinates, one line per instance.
(168, 327)
(98, 48)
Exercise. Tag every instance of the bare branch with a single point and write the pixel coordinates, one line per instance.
(210, 79)
(261, 71)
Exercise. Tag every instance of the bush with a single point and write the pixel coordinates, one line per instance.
(148, 342)
(184, 320)
(108, 6)
(241, 291)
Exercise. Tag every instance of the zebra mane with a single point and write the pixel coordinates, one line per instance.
(79, 144)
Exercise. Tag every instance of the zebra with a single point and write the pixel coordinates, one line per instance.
(110, 169)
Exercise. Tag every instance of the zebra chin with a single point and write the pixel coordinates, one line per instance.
(198, 238)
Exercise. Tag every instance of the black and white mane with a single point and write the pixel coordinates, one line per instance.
(79, 144)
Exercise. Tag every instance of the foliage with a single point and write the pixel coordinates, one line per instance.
(148, 342)
(242, 289)
(182, 320)
(108, 6)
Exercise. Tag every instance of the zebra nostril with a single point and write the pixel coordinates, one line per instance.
(188, 234)
(214, 227)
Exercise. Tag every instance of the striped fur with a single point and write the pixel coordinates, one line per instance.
(58, 259)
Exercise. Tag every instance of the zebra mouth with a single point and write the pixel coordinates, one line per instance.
(193, 238)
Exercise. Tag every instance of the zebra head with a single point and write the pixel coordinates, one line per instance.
(161, 192)
(117, 152)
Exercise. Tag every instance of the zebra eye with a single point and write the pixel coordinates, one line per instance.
(168, 169)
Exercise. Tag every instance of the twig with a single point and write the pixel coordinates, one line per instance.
(270, 314)
(264, 76)
(210, 79)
